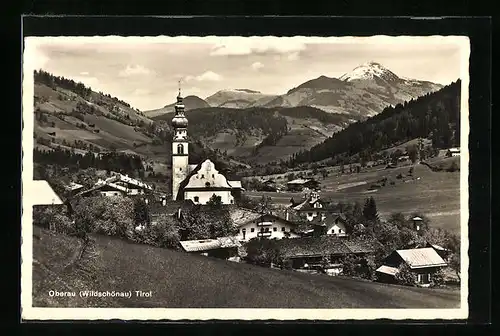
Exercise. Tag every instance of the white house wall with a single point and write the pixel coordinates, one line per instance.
(204, 196)
(257, 225)
(337, 229)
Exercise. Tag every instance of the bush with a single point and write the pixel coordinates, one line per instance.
(163, 234)
(405, 276)
(438, 278)
(453, 167)
(53, 218)
(263, 252)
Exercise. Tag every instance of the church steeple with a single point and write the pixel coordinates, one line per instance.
(180, 146)
(179, 121)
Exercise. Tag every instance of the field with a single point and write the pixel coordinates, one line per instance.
(179, 280)
(434, 194)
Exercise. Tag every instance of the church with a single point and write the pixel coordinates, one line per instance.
(198, 182)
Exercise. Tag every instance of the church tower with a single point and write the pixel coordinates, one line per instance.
(180, 147)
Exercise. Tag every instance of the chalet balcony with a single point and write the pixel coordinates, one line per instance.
(264, 224)
(264, 234)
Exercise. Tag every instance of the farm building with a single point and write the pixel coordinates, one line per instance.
(119, 185)
(453, 152)
(301, 184)
(309, 254)
(195, 182)
(252, 224)
(223, 247)
(423, 262)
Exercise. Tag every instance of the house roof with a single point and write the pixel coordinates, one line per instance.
(421, 257)
(74, 186)
(236, 184)
(42, 193)
(387, 270)
(170, 207)
(323, 245)
(241, 216)
(357, 245)
(299, 181)
(209, 244)
(311, 246)
(454, 149)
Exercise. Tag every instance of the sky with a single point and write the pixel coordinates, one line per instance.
(146, 71)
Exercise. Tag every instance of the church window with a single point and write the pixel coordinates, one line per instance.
(283, 229)
(180, 168)
(207, 184)
(213, 176)
(275, 229)
(252, 230)
(180, 149)
(196, 199)
(202, 175)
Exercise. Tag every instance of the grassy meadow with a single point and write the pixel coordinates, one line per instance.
(180, 280)
(434, 194)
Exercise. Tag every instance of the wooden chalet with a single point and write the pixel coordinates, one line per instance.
(423, 262)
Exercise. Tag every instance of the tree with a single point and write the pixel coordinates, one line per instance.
(412, 153)
(263, 252)
(405, 276)
(165, 234)
(141, 212)
(370, 210)
(264, 204)
(205, 222)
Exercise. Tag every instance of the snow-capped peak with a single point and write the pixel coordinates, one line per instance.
(369, 70)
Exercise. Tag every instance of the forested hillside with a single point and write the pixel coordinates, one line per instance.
(260, 135)
(435, 116)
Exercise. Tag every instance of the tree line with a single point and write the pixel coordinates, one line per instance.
(435, 116)
(112, 161)
(52, 81)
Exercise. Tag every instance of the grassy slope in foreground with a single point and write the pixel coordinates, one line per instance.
(179, 280)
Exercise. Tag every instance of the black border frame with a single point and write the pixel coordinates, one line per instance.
(478, 29)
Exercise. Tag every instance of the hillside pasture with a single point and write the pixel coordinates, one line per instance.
(180, 280)
(434, 194)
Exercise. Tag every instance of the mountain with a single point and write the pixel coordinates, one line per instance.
(72, 118)
(363, 92)
(238, 98)
(190, 103)
(257, 134)
(434, 116)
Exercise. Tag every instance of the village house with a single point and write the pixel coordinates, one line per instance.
(222, 247)
(252, 224)
(311, 207)
(269, 185)
(309, 254)
(302, 184)
(41, 196)
(423, 262)
(455, 151)
(196, 182)
(118, 185)
(331, 224)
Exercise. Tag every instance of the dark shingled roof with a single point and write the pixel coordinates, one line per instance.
(170, 208)
(324, 245)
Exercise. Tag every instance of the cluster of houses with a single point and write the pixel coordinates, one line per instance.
(299, 184)
(325, 234)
